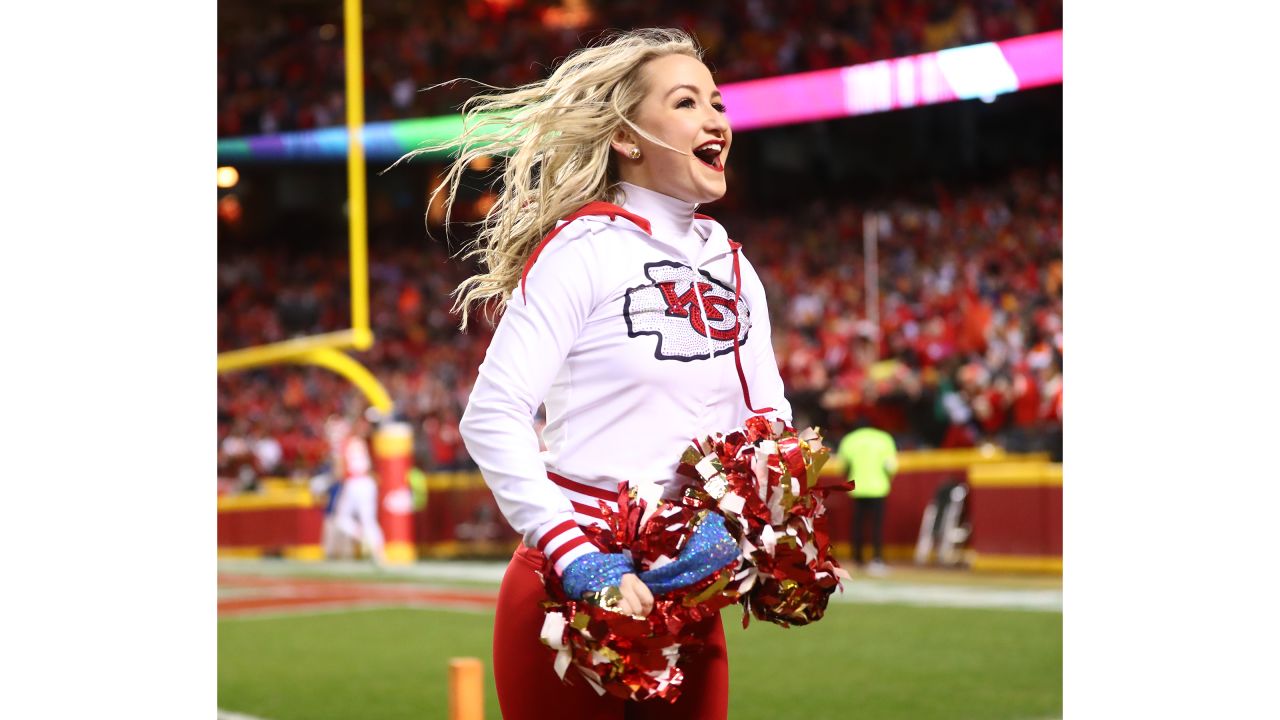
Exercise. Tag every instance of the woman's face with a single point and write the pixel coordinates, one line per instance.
(683, 109)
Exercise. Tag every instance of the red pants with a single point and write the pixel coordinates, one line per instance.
(529, 689)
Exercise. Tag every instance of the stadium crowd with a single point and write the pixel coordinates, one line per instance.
(286, 71)
(967, 348)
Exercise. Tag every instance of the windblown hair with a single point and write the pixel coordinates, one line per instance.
(556, 136)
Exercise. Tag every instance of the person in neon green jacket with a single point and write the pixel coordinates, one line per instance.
(418, 487)
(871, 458)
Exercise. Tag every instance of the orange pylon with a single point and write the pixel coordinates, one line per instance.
(466, 689)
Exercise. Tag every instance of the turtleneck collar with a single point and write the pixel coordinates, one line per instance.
(670, 218)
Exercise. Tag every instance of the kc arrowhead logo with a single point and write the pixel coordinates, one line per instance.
(684, 308)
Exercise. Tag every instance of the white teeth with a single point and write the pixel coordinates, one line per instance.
(712, 146)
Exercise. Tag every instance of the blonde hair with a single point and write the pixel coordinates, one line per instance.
(556, 135)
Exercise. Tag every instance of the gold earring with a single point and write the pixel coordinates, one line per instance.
(635, 153)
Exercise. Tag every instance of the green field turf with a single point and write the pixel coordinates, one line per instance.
(873, 662)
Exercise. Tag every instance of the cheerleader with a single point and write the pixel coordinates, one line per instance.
(635, 319)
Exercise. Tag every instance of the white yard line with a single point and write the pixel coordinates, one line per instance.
(228, 715)
(338, 608)
(883, 593)
(474, 571)
(879, 592)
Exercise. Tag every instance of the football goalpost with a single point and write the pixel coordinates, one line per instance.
(327, 350)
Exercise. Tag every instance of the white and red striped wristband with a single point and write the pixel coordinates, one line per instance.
(562, 541)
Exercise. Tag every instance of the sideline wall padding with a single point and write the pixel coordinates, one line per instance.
(1014, 507)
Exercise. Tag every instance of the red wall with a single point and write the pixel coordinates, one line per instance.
(270, 528)
(1016, 520)
(474, 509)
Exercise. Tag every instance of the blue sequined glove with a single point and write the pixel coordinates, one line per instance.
(595, 572)
(709, 549)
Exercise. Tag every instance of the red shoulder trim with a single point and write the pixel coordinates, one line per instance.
(613, 211)
(700, 216)
(591, 208)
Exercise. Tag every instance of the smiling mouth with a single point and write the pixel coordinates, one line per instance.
(708, 154)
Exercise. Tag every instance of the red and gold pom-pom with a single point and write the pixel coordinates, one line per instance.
(621, 655)
(764, 479)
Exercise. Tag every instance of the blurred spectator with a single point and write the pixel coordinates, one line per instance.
(235, 457)
(266, 455)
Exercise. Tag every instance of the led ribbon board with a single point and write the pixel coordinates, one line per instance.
(973, 71)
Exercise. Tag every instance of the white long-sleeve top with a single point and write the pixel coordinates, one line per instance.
(632, 359)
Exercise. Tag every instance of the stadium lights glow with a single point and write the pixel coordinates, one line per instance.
(985, 70)
(228, 177)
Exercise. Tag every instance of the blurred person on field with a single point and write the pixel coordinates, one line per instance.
(871, 459)
(356, 510)
(325, 488)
